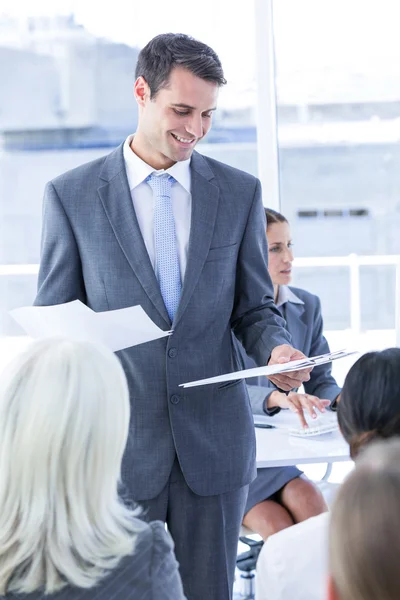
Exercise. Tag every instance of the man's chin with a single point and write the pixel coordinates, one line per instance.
(183, 154)
(177, 149)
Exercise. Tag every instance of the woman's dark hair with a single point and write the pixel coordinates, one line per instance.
(168, 50)
(274, 216)
(369, 407)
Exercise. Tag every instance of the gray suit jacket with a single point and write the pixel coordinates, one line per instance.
(305, 325)
(93, 250)
(151, 573)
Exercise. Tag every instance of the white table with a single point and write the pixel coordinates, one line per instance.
(275, 448)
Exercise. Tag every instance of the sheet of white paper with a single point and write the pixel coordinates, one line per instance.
(127, 327)
(286, 419)
(117, 329)
(294, 365)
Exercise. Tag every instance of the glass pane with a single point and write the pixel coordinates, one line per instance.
(338, 96)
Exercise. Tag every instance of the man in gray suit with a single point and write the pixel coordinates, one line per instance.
(156, 224)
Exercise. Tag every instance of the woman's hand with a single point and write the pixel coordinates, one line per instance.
(299, 404)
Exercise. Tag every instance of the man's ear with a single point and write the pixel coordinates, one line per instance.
(331, 593)
(141, 91)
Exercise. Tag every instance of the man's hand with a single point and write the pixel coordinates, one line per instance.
(287, 381)
(298, 403)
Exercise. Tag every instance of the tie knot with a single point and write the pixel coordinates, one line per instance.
(160, 184)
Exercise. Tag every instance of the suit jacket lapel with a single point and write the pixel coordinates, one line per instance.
(296, 325)
(205, 199)
(117, 202)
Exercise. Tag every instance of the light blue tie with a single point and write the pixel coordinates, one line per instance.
(166, 255)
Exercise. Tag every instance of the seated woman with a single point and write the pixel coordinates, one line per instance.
(293, 563)
(364, 532)
(280, 497)
(64, 531)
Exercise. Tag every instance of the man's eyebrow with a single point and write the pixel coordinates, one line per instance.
(187, 106)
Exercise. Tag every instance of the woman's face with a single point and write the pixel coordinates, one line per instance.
(280, 255)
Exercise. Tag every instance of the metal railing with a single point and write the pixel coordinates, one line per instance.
(353, 262)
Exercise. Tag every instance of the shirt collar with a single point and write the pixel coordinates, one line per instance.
(285, 294)
(137, 170)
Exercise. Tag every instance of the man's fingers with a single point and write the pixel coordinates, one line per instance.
(282, 382)
(288, 377)
(299, 376)
(304, 374)
(283, 359)
(281, 354)
(304, 371)
(287, 381)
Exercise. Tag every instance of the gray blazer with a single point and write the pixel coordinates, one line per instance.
(305, 325)
(93, 250)
(151, 573)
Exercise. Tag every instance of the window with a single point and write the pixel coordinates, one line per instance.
(335, 212)
(338, 101)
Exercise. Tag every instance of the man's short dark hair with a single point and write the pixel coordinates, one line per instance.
(169, 50)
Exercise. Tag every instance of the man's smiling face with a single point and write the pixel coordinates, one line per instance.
(171, 123)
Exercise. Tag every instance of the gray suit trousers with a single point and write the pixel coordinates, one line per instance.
(206, 531)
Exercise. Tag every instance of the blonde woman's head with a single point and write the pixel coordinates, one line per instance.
(64, 419)
(364, 543)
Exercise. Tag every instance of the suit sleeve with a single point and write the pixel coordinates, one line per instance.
(258, 388)
(321, 382)
(255, 320)
(258, 396)
(165, 578)
(60, 273)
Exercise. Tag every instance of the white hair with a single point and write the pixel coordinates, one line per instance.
(64, 420)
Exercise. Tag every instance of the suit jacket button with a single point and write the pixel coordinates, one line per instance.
(172, 352)
(175, 399)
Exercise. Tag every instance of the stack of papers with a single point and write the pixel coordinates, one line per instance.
(117, 329)
(287, 419)
(294, 365)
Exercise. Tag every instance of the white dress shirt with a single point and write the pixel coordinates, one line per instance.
(292, 564)
(143, 202)
(285, 294)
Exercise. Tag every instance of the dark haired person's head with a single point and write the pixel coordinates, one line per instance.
(170, 50)
(273, 216)
(280, 254)
(177, 84)
(369, 407)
